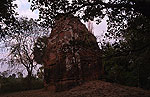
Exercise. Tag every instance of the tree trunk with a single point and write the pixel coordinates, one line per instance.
(29, 79)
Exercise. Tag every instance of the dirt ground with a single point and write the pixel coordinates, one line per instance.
(89, 89)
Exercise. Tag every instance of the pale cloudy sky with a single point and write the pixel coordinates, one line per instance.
(24, 10)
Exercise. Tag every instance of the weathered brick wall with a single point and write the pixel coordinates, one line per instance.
(72, 54)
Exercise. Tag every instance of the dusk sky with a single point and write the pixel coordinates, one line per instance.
(24, 10)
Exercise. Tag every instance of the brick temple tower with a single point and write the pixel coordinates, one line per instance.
(72, 54)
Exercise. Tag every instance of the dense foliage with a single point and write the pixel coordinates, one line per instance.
(13, 84)
(119, 12)
(7, 16)
(39, 49)
(127, 62)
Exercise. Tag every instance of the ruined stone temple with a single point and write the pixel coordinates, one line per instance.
(72, 54)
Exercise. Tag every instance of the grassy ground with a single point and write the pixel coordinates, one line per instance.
(89, 89)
